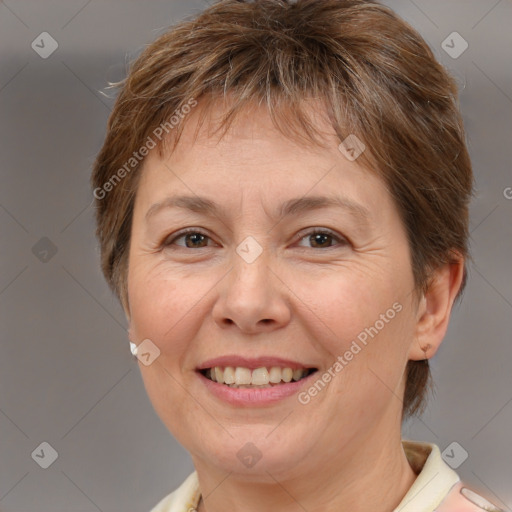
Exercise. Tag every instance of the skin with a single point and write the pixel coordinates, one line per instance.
(303, 299)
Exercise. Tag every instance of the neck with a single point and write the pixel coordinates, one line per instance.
(367, 478)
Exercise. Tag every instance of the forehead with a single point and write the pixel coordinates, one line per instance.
(253, 160)
(302, 129)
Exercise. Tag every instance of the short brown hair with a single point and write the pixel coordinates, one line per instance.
(376, 77)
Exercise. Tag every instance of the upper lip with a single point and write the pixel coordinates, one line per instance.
(252, 362)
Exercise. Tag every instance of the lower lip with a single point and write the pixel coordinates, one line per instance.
(257, 396)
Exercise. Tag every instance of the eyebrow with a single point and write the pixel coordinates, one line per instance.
(291, 207)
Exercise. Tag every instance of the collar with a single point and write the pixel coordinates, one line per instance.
(434, 481)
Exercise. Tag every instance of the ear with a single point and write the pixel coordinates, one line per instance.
(130, 332)
(434, 309)
(133, 345)
(127, 315)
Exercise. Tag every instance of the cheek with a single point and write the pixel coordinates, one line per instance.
(158, 304)
(341, 305)
(162, 309)
(169, 306)
(368, 323)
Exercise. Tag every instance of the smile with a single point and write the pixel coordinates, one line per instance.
(263, 377)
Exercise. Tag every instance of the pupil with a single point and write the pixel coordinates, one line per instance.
(317, 237)
(195, 238)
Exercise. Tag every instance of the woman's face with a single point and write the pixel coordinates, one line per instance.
(253, 287)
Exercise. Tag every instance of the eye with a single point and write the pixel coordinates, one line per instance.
(194, 239)
(321, 238)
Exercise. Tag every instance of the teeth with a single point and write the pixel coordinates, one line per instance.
(297, 374)
(287, 374)
(275, 375)
(229, 375)
(242, 376)
(219, 374)
(261, 377)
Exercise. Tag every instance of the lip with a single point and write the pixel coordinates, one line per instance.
(257, 397)
(252, 362)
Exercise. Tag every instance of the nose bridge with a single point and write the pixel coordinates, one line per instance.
(251, 297)
(249, 289)
(251, 267)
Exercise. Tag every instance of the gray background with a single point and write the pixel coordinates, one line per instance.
(67, 376)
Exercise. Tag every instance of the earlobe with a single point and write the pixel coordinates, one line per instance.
(435, 308)
(133, 345)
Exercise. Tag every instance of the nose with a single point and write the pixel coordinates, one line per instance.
(252, 297)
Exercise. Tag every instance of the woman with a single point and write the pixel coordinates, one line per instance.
(282, 208)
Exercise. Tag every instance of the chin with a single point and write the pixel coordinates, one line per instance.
(253, 455)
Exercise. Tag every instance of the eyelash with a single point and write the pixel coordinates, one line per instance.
(315, 231)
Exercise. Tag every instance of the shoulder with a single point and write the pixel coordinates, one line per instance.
(183, 499)
(462, 499)
(438, 488)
